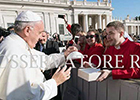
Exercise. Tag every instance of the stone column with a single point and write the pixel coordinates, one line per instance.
(69, 18)
(90, 21)
(96, 22)
(47, 21)
(138, 30)
(100, 21)
(104, 22)
(52, 23)
(132, 31)
(75, 18)
(85, 23)
(1, 20)
(135, 30)
(126, 28)
(107, 19)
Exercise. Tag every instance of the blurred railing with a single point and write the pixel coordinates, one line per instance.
(108, 89)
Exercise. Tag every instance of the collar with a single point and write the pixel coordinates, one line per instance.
(123, 44)
(21, 42)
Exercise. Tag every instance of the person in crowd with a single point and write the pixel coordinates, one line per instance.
(56, 38)
(10, 29)
(3, 33)
(106, 43)
(124, 67)
(48, 47)
(81, 41)
(75, 29)
(21, 66)
(92, 47)
(45, 45)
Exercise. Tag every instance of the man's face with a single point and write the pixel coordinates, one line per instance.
(113, 36)
(90, 38)
(35, 34)
(43, 38)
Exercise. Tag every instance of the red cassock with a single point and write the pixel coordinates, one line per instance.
(95, 49)
(127, 50)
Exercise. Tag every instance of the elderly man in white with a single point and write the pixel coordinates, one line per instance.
(20, 65)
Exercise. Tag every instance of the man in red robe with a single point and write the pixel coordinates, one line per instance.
(122, 57)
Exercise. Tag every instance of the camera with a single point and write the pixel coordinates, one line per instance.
(61, 16)
(76, 39)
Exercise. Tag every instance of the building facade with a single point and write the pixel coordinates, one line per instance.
(86, 13)
(132, 26)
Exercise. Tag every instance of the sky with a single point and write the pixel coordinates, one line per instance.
(122, 8)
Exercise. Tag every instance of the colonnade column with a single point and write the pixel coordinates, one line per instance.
(138, 30)
(132, 31)
(52, 23)
(107, 19)
(85, 22)
(1, 20)
(104, 24)
(96, 22)
(126, 29)
(135, 30)
(69, 19)
(75, 18)
(46, 21)
(100, 21)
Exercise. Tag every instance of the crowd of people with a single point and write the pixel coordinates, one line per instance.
(28, 54)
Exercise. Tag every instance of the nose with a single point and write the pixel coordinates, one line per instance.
(107, 37)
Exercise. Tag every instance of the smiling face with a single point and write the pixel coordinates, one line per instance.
(90, 38)
(34, 33)
(113, 36)
(43, 38)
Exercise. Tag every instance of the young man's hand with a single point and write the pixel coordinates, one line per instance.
(104, 75)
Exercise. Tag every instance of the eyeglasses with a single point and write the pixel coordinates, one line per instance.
(91, 36)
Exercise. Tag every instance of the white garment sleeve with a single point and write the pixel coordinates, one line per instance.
(46, 62)
(18, 83)
(47, 88)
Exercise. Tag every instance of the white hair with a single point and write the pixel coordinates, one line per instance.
(20, 25)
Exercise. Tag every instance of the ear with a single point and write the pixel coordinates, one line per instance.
(121, 34)
(27, 31)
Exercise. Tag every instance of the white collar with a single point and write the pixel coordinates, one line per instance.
(119, 47)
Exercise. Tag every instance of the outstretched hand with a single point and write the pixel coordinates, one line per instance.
(61, 75)
(69, 50)
(104, 75)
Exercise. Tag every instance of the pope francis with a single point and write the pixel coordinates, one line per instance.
(21, 65)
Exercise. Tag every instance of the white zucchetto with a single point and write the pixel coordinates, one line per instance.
(28, 16)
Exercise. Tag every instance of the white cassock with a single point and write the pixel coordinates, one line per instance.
(20, 71)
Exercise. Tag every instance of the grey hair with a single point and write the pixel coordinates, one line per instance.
(20, 25)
